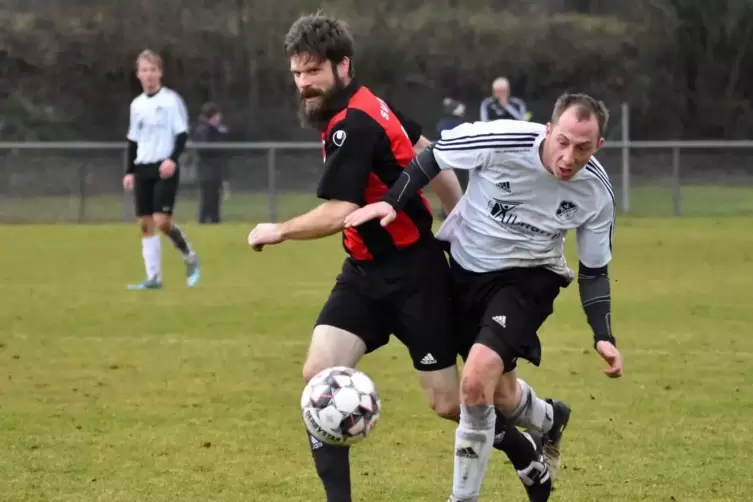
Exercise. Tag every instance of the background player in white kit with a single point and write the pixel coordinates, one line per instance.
(529, 184)
(157, 136)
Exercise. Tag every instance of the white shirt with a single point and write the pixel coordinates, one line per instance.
(515, 213)
(155, 121)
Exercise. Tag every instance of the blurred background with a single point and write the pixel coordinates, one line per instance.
(674, 73)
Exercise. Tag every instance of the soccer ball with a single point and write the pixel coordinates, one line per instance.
(340, 406)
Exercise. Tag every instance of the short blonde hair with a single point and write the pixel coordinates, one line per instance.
(151, 56)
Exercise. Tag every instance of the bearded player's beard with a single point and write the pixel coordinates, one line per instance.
(318, 114)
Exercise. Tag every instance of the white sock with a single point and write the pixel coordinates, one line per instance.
(150, 249)
(532, 411)
(473, 446)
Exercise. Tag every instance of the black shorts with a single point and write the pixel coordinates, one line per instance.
(503, 310)
(153, 194)
(408, 296)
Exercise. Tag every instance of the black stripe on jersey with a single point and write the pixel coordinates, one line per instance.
(523, 136)
(376, 238)
(601, 174)
(480, 145)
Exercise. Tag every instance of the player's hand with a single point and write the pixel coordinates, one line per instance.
(128, 182)
(264, 234)
(381, 210)
(167, 168)
(612, 356)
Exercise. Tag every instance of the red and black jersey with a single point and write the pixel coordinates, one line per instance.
(366, 147)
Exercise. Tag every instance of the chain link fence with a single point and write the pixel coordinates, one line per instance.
(82, 182)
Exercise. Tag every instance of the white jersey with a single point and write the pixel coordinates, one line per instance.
(515, 213)
(155, 121)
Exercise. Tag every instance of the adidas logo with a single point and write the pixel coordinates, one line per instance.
(428, 359)
(315, 443)
(504, 186)
(501, 320)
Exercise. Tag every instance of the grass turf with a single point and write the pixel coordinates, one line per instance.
(193, 395)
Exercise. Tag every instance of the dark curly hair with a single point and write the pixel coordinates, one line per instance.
(321, 37)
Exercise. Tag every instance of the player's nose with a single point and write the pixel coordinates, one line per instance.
(568, 156)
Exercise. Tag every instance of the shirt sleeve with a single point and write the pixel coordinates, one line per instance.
(180, 116)
(464, 147)
(594, 238)
(412, 128)
(133, 129)
(349, 155)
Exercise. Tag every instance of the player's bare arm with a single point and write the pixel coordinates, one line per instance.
(447, 188)
(422, 144)
(324, 220)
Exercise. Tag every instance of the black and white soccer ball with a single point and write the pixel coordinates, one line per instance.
(340, 406)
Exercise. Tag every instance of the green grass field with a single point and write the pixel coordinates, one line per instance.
(192, 395)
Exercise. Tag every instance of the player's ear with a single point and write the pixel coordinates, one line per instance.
(600, 143)
(548, 128)
(343, 68)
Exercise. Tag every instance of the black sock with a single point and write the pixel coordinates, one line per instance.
(333, 467)
(500, 425)
(179, 240)
(516, 446)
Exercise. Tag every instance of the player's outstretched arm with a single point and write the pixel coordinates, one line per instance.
(324, 220)
(446, 184)
(595, 297)
(421, 170)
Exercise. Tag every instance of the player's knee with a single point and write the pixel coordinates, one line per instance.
(310, 370)
(472, 390)
(442, 389)
(162, 222)
(446, 405)
(480, 376)
(146, 225)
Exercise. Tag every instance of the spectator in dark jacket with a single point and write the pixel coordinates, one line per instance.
(212, 163)
(501, 105)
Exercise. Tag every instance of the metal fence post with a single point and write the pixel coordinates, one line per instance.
(625, 157)
(675, 181)
(82, 192)
(272, 183)
(124, 168)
